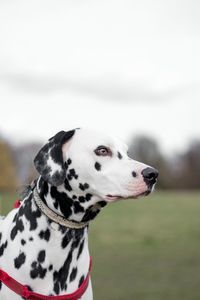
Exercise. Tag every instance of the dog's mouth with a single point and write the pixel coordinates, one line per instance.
(112, 198)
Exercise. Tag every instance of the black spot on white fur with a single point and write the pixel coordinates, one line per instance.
(97, 166)
(67, 185)
(119, 155)
(69, 161)
(45, 234)
(23, 242)
(20, 260)
(80, 250)
(37, 271)
(84, 186)
(134, 174)
(18, 227)
(82, 199)
(3, 247)
(73, 174)
(78, 208)
(41, 256)
(81, 280)
(73, 274)
(50, 268)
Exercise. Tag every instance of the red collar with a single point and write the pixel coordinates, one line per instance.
(24, 292)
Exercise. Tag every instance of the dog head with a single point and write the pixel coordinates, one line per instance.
(94, 162)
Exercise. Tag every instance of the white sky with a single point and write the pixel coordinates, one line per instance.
(125, 67)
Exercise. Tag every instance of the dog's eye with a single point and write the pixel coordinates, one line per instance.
(103, 151)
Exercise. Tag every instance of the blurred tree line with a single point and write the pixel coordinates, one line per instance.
(16, 165)
(8, 178)
(179, 171)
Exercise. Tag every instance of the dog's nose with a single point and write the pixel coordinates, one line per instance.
(150, 175)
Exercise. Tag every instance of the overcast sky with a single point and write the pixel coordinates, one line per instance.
(126, 67)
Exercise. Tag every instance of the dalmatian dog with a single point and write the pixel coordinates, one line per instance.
(44, 242)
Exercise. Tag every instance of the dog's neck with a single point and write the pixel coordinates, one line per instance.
(78, 207)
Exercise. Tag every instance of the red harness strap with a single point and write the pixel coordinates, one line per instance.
(23, 290)
(17, 203)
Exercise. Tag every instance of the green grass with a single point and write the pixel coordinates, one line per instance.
(6, 202)
(147, 249)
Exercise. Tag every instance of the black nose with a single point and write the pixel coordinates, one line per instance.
(150, 175)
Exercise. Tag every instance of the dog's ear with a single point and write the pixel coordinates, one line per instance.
(49, 160)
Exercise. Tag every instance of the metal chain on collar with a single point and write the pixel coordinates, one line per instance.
(54, 216)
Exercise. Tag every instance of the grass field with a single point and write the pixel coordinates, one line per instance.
(147, 249)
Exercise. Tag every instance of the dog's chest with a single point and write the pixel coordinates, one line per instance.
(47, 258)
